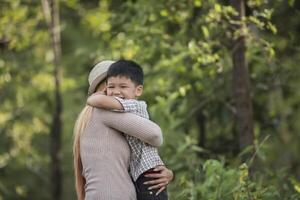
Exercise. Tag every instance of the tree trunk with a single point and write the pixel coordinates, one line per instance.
(51, 10)
(241, 85)
(200, 118)
(201, 127)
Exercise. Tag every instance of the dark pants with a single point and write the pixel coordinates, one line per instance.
(144, 194)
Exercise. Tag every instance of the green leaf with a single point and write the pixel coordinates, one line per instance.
(205, 32)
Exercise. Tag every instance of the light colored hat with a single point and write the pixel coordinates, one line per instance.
(98, 74)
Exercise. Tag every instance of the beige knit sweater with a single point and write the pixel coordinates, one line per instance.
(105, 153)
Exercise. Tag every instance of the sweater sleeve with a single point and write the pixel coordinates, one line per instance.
(133, 125)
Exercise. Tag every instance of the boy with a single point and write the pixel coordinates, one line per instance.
(124, 86)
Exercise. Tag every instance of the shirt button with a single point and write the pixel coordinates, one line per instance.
(150, 192)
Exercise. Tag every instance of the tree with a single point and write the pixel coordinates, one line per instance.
(51, 10)
(186, 51)
(241, 83)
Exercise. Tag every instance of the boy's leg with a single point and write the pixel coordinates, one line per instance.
(142, 190)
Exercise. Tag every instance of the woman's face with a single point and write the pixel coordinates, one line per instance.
(101, 87)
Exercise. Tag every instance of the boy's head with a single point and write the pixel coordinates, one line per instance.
(125, 79)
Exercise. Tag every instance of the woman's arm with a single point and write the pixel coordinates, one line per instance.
(133, 125)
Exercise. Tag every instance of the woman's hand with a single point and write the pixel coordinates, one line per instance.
(162, 179)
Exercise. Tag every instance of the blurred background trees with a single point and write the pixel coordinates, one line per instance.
(186, 49)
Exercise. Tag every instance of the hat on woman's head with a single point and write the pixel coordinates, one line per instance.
(98, 74)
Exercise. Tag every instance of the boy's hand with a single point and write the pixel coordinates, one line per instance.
(163, 178)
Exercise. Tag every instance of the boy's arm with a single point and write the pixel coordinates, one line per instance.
(134, 106)
(103, 101)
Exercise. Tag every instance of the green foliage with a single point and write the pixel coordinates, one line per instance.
(185, 50)
(215, 181)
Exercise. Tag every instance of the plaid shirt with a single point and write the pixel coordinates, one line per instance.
(143, 156)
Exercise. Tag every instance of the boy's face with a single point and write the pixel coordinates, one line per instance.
(123, 87)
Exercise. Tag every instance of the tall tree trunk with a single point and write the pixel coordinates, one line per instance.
(202, 132)
(51, 10)
(200, 118)
(241, 85)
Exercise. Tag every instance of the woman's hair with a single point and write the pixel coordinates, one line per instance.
(79, 128)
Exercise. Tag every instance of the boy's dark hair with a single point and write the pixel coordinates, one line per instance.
(127, 68)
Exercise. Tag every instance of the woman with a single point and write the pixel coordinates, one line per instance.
(101, 153)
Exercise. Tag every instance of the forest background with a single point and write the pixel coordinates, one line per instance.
(221, 81)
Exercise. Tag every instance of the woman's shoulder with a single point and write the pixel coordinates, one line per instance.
(100, 113)
(104, 113)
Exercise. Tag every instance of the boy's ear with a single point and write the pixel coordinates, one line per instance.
(138, 90)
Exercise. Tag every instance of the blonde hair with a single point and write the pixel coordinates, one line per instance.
(80, 125)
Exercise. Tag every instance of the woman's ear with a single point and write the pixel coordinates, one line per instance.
(138, 90)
